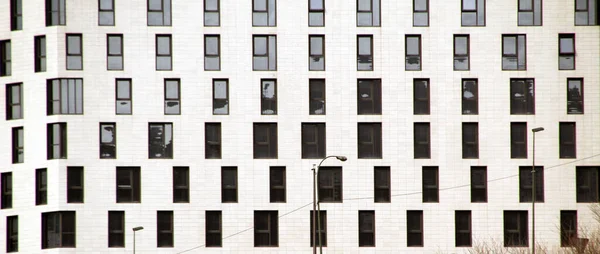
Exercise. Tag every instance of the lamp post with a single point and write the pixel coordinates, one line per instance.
(134, 230)
(534, 130)
(317, 210)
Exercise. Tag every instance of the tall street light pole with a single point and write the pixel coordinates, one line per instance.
(317, 212)
(135, 230)
(534, 130)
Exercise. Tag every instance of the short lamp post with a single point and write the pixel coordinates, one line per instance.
(534, 130)
(134, 230)
(317, 206)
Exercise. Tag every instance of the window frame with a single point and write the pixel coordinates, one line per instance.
(518, 148)
(527, 101)
(109, 55)
(216, 233)
(521, 230)
(267, 103)
(133, 186)
(168, 231)
(272, 230)
(5, 58)
(77, 57)
(75, 191)
(430, 184)
(587, 11)
(382, 187)
(268, 147)
(470, 106)
(479, 192)
(375, 143)
(123, 99)
(110, 145)
(61, 145)
(159, 55)
(229, 188)
(587, 182)
(536, 14)
(414, 216)
(517, 55)
(314, 100)
(75, 107)
(277, 191)
(416, 12)
(16, 15)
(567, 146)
(319, 11)
(209, 11)
(106, 10)
(568, 228)
(267, 11)
(419, 143)
(168, 99)
(166, 151)
(10, 104)
(18, 145)
(7, 185)
(12, 233)
(477, 11)
(181, 189)
(116, 232)
(40, 54)
(375, 13)
(362, 57)
(525, 184)
(467, 55)
(366, 234)
(212, 145)
(462, 230)
(371, 104)
(320, 57)
(422, 105)
(315, 148)
(470, 146)
(576, 100)
(163, 6)
(566, 55)
(268, 53)
(62, 219)
(61, 12)
(217, 100)
(314, 232)
(327, 183)
(41, 186)
(208, 55)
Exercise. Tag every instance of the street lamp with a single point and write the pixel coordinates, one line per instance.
(134, 230)
(534, 130)
(317, 209)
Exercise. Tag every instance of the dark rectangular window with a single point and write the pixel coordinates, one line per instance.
(414, 228)
(518, 140)
(160, 140)
(568, 229)
(213, 227)
(123, 96)
(41, 186)
(75, 183)
(422, 141)
(470, 97)
(530, 13)
(382, 186)
(264, 13)
(461, 52)
(128, 185)
(16, 15)
(525, 184)
(64, 96)
(313, 140)
(12, 233)
(268, 97)
(264, 52)
(56, 13)
(164, 51)
(116, 229)
(229, 185)
(364, 52)
(266, 229)
(56, 134)
(514, 52)
(316, 13)
(369, 141)
(277, 184)
(567, 140)
(431, 186)
(212, 13)
(7, 190)
(516, 229)
(159, 12)
(320, 220)
(462, 228)
(574, 96)
(18, 143)
(366, 228)
(369, 97)
(421, 96)
(522, 96)
(330, 184)
(587, 179)
(265, 140)
(58, 229)
(181, 184)
(5, 58)
(106, 12)
(172, 96)
(14, 101)
(40, 53)
(368, 13)
(212, 52)
(479, 184)
(412, 52)
(470, 140)
(586, 13)
(420, 12)
(220, 96)
(74, 51)
(108, 140)
(316, 94)
(114, 52)
(473, 13)
(316, 55)
(566, 52)
(212, 140)
(164, 229)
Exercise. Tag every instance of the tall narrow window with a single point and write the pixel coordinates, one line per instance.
(462, 228)
(470, 136)
(159, 12)
(522, 97)
(16, 15)
(56, 134)
(18, 144)
(368, 13)
(515, 229)
(213, 229)
(567, 140)
(514, 52)
(12, 233)
(64, 96)
(74, 52)
(470, 97)
(566, 51)
(266, 229)
(7, 190)
(461, 52)
(316, 56)
(212, 12)
(478, 184)
(40, 53)
(164, 52)
(172, 96)
(369, 141)
(116, 229)
(181, 184)
(56, 13)
(313, 141)
(316, 12)
(365, 52)
(568, 229)
(264, 13)
(586, 13)
(268, 97)
(212, 52)
(220, 96)
(164, 229)
(473, 13)
(160, 141)
(530, 13)
(518, 140)
(108, 140)
(14, 99)
(128, 185)
(431, 186)
(369, 97)
(321, 230)
(41, 186)
(114, 50)
(229, 185)
(330, 184)
(5, 58)
(75, 189)
(412, 52)
(123, 97)
(414, 228)
(525, 184)
(277, 184)
(420, 12)
(382, 184)
(106, 12)
(587, 182)
(422, 141)
(59, 229)
(264, 52)
(421, 96)
(212, 140)
(574, 96)
(366, 228)
(265, 140)
(316, 94)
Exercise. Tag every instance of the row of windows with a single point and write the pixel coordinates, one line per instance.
(59, 229)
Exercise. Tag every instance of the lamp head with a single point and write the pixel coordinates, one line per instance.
(341, 158)
(138, 228)
(538, 129)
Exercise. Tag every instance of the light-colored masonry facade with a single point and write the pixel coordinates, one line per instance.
(292, 74)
